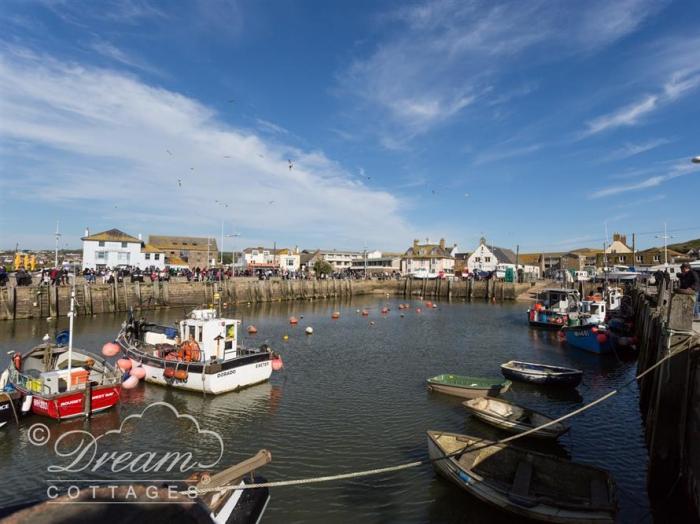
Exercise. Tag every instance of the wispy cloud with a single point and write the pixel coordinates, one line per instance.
(675, 171)
(680, 84)
(106, 139)
(445, 57)
(502, 153)
(630, 150)
(271, 127)
(112, 52)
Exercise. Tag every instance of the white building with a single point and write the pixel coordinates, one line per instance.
(485, 258)
(428, 259)
(376, 262)
(115, 248)
(340, 260)
(264, 258)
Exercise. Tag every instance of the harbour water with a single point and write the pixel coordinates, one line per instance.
(351, 397)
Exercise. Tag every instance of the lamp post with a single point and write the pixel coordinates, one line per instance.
(696, 160)
(58, 236)
(233, 251)
(665, 237)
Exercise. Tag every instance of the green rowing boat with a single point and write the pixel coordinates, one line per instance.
(468, 387)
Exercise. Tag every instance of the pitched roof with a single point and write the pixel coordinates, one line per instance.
(175, 261)
(529, 259)
(148, 248)
(503, 255)
(182, 243)
(112, 235)
(427, 251)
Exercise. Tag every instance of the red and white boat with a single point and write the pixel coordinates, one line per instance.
(61, 382)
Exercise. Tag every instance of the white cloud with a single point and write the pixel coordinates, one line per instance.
(101, 138)
(630, 150)
(110, 51)
(675, 171)
(445, 56)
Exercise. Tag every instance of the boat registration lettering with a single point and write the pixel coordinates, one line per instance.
(224, 373)
(581, 333)
(71, 402)
(262, 364)
(40, 403)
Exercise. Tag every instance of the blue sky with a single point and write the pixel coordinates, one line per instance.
(529, 122)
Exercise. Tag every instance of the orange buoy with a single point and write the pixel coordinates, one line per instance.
(428, 304)
(124, 364)
(335, 315)
(110, 349)
(277, 363)
(293, 321)
(252, 330)
(365, 313)
(385, 310)
(168, 373)
(180, 374)
(418, 310)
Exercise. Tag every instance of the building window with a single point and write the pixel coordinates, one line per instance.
(100, 255)
(101, 243)
(123, 258)
(124, 244)
(639, 258)
(148, 256)
(621, 259)
(657, 258)
(477, 259)
(487, 259)
(156, 256)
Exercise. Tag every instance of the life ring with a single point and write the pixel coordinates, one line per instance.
(17, 361)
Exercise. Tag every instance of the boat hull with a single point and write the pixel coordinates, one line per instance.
(10, 406)
(514, 425)
(72, 404)
(583, 337)
(463, 392)
(477, 487)
(248, 373)
(570, 380)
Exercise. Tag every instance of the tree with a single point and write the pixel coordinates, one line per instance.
(321, 267)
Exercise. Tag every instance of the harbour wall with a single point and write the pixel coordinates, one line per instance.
(670, 400)
(52, 301)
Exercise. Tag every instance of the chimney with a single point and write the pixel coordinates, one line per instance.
(415, 244)
(442, 243)
(140, 238)
(87, 232)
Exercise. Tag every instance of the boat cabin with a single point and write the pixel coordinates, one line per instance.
(558, 300)
(595, 311)
(216, 337)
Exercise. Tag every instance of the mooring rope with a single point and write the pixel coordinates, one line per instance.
(14, 410)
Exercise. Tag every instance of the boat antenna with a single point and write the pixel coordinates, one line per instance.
(71, 314)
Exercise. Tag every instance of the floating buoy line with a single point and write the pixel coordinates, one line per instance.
(686, 344)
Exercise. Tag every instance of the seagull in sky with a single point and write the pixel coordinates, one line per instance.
(466, 194)
(179, 182)
(291, 165)
(227, 156)
(232, 100)
(168, 151)
(261, 156)
(271, 202)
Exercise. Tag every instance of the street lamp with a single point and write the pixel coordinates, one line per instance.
(233, 251)
(696, 160)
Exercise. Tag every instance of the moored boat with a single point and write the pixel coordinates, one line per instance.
(525, 483)
(513, 418)
(552, 307)
(201, 354)
(467, 387)
(589, 337)
(10, 405)
(176, 501)
(541, 374)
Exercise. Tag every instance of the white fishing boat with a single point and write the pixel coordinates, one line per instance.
(200, 354)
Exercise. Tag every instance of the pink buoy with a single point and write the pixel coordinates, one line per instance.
(277, 363)
(385, 310)
(365, 313)
(293, 320)
(418, 310)
(124, 364)
(130, 383)
(138, 372)
(110, 349)
(252, 330)
(335, 315)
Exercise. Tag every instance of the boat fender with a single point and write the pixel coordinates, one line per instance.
(17, 361)
(168, 373)
(180, 374)
(277, 364)
(602, 338)
(27, 404)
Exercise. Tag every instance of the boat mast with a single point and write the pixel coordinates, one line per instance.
(71, 314)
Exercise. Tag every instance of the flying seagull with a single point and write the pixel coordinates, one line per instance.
(271, 202)
(179, 182)
(261, 156)
(168, 151)
(227, 156)
(290, 164)
(232, 100)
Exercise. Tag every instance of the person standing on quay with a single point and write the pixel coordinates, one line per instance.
(690, 285)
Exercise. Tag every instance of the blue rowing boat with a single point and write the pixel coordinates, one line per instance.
(541, 374)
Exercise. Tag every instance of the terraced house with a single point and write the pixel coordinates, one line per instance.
(428, 259)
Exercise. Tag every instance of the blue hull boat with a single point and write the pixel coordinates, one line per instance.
(541, 374)
(589, 337)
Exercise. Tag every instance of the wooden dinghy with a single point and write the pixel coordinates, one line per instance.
(541, 374)
(467, 387)
(525, 483)
(166, 502)
(513, 418)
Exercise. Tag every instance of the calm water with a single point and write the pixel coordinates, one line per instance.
(352, 396)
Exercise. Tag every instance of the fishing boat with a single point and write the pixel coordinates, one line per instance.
(525, 483)
(60, 381)
(200, 354)
(541, 374)
(513, 418)
(552, 307)
(10, 404)
(589, 337)
(135, 502)
(467, 387)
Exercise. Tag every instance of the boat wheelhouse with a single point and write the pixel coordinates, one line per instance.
(552, 307)
(200, 354)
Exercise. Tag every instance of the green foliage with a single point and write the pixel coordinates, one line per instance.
(321, 267)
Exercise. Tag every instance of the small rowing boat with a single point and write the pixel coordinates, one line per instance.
(467, 387)
(513, 418)
(542, 374)
(525, 483)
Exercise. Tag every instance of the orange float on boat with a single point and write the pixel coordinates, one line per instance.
(252, 330)
(168, 373)
(365, 313)
(180, 374)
